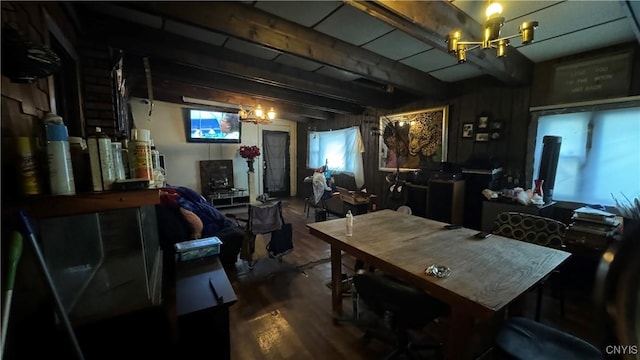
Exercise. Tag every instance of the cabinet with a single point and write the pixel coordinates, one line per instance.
(228, 198)
(441, 200)
(445, 201)
(202, 313)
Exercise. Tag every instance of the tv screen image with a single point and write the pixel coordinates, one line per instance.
(212, 126)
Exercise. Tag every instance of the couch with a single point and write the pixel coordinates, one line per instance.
(335, 205)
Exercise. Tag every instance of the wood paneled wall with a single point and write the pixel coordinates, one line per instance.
(507, 104)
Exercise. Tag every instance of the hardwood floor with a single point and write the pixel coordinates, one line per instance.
(284, 308)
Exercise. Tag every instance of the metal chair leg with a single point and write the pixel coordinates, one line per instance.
(539, 301)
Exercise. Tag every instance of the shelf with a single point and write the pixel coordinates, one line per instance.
(224, 199)
(224, 202)
(45, 206)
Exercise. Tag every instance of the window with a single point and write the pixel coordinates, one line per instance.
(340, 149)
(599, 156)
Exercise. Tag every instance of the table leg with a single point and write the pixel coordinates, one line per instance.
(336, 281)
(458, 342)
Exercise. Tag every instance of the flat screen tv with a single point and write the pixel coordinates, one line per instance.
(210, 126)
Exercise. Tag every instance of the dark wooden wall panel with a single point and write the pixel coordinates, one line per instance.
(507, 104)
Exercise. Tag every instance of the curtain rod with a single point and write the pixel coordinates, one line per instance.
(585, 103)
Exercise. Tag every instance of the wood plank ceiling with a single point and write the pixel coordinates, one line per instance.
(313, 59)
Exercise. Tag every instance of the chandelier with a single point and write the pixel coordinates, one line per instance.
(257, 115)
(491, 35)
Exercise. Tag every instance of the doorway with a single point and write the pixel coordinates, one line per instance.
(277, 163)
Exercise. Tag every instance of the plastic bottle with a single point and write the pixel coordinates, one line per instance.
(349, 219)
(116, 153)
(28, 166)
(101, 158)
(80, 163)
(59, 160)
(125, 157)
(140, 155)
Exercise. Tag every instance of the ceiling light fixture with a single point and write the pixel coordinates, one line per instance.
(257, 115)
(491, 35)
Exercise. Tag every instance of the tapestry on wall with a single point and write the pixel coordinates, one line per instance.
(413, 140)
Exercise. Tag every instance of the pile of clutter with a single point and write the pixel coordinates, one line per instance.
(518, 194)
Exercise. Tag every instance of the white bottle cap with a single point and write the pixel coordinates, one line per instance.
(141, 135)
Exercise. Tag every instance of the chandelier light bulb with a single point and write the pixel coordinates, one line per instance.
(258, 111)
(491, 38)
(494, 9)
(271, 114)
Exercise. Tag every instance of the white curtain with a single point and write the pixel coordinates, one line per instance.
(340, 149)
(599, 155)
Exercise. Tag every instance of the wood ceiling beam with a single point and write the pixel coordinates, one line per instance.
(254, 25)
(432, 21)
(209, 79)
(157, 44)
(173, 91)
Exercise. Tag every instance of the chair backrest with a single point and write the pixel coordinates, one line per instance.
(266, 217)
(617, 291)
(404, 209)
(530, 228)
(410, 306)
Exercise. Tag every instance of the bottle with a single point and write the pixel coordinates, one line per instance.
(158, 171)
(101, 158)
(116, 153)
(349, 219)
(80, 162)
(125, 157)
(29, 180)
(61, 179)
(140, 155)
(327, 173)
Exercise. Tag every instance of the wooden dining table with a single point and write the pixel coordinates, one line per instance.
(485, 275)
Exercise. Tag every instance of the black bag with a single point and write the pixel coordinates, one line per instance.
(281, 241)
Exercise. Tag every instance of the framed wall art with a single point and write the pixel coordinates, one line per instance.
(413, 140)
(467, 130)
(482, 137)
(483, 122)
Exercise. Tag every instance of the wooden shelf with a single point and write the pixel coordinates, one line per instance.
(46, 206)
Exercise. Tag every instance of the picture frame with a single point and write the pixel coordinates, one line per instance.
(413, 140)
(482, 137)
(496, 125)
(483, 122)
(467, 130)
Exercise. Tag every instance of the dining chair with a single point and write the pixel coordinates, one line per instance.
(402, 307)
(617, 304)
(537, 230)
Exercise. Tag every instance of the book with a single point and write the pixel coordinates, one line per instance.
(586, 212)
(606, 231)
(611, 221)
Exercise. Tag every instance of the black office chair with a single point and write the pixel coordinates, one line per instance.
(617, 305)
(537, 230)
(403, 308)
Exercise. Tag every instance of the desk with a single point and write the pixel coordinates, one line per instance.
(486, 275)
(202, 321)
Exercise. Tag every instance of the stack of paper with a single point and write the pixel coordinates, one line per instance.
(592, 227)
